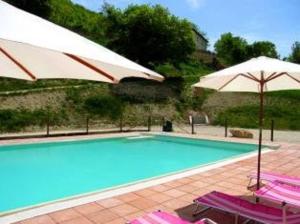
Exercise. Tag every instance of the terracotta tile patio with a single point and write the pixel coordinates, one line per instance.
(176, 196)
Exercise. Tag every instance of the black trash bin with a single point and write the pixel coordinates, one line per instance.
(168, 126)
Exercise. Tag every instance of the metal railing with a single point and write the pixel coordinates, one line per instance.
(89, 125)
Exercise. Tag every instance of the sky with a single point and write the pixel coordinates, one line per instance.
(277, 21)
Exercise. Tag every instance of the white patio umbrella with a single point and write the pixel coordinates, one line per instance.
(258, 75)
(32, 48)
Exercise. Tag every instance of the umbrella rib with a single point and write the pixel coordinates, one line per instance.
(283, 73)
(250, 76)
(292, 77)
(90, 66)
(22, 67)
(228, 82)
(273, 76)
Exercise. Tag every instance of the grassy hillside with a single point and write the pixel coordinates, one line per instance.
(64, 101)
(241, 110)
(173, 99)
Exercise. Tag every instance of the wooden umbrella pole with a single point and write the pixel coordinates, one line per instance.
(261, 117)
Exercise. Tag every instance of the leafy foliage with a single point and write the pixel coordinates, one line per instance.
(7, 84)
(262, 48)
(148, 34)
(188, 69)
(232, 50)
(38, 7)
(290, 95)
(104, 106)
(190, 72)
(247, 116)
(295, 55)
(19, 119)
(78, 19)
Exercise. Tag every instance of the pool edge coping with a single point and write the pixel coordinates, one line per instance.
(272, 145)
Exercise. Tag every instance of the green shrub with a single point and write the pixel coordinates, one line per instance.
(293, 95)
(285, 117)
(18, 120)
(190, 70)
(7, 84)
(104, 106)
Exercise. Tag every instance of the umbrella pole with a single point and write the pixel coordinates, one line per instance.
(261, 116)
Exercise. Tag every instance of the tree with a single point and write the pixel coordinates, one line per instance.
(295, 55)
(231, 49)
(67, 14)
(262, 48)
(38, 7)
(148, 34)
(78, 19)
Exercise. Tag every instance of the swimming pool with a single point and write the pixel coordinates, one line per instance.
(31, 174)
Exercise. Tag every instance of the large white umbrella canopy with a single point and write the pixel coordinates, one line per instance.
(258, 75)
(246, 77)
(33, 48)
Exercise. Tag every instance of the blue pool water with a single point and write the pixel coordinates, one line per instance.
(31, 174)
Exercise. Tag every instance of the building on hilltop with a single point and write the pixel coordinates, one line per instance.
(201, 53)
(200, 41)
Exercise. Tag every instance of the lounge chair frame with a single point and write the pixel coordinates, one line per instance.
(237, 214)
(206, 208)
(204, 220)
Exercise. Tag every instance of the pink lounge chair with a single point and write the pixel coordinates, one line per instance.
(285, 194)
(244, 208)
(160, 217)
(270, 176)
